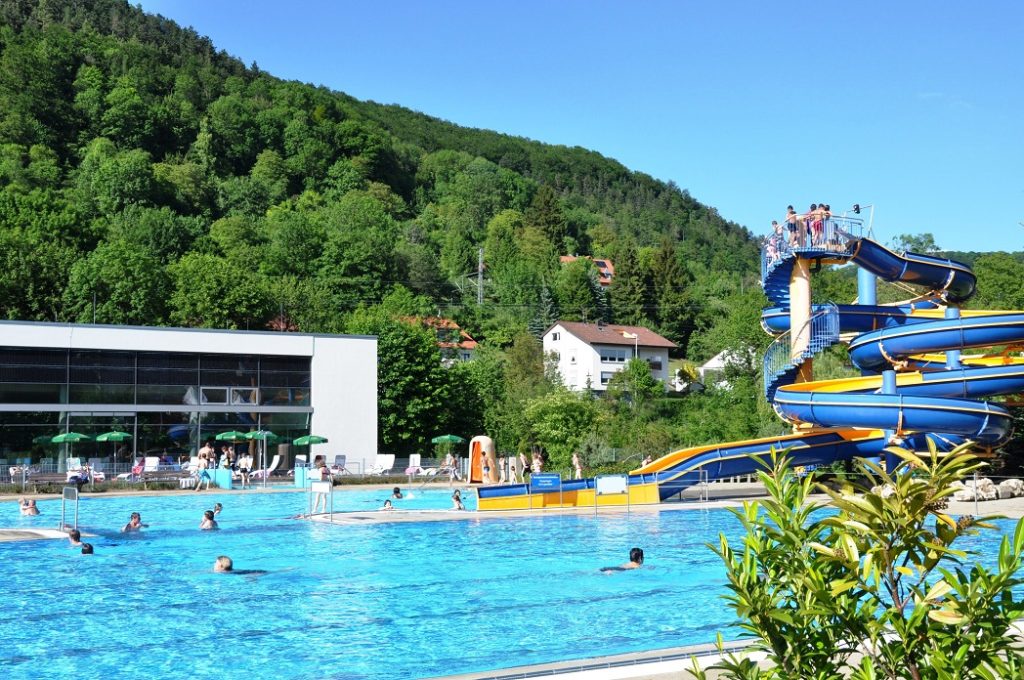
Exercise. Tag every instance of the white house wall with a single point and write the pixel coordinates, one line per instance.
(579, 362)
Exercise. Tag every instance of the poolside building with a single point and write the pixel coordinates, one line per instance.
(588, 355)
(173, 388)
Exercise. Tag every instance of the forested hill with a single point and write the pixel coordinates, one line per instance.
(148, 178)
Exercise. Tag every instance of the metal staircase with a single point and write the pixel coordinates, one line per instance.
(781, 366)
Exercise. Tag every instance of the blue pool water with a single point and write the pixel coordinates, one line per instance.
(349, 601)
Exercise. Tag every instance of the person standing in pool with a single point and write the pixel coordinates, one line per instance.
(217, 507)
(388, 506)
(396, 492)
(457, 501)
(28, 507)
(75, 538)
(134, 524)
(208, 522)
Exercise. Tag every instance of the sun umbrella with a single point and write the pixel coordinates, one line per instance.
(114, 436)
(310, 439)
(448, 439)
(232, 436)
(70, 438)
(42, 439)
(263, 436)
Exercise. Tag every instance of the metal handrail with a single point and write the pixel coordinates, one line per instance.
(824, 332)
(834, 235)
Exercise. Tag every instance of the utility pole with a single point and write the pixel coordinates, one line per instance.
(480, 277)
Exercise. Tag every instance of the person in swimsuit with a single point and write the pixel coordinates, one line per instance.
(577, 466)
(28, 507)
(75, 538)
(87, 549)
(793, 226)
(396, 493)
(134, 524)
(224, 565)
(636, 560)
(208, 523)
(457, 501)
(388, 506)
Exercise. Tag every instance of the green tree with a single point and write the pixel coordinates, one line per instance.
(545, 214)
(675, 309)
(120, 282)
(412, 386)
(212, 292)
(876, 590)
(915, 243)
(629, 289)
(635, 384)
(577, 290)
(559, 421)
(1000, 282)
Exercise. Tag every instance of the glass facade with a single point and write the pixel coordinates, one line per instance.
(169, 402)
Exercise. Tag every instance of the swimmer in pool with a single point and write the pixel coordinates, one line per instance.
(75, 538)
(387, 506)
(134, 524)
(457, 501)
(217, 507)
(87, 549)
(28, 507)
(396, 493)
(224, 565)
(208, 522)
(636, 560)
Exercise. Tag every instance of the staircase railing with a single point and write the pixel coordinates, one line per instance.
(834, 236)
(822, 331)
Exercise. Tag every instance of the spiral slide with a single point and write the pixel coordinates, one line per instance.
(915, 383)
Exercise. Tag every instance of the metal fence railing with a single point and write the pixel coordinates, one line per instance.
(822, 331)
(832, 235)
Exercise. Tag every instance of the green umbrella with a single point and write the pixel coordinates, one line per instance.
(232, 436)
(114, 436)
(310, 439)
(263, 436)
(42, 439)
(70, 438)
(447, 439)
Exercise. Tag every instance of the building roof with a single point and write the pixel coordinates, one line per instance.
(447, 330)
(611, 334)
(605, 268)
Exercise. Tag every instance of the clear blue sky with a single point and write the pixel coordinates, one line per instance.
(915, 107)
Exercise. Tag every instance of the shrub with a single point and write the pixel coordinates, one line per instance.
(875, 589)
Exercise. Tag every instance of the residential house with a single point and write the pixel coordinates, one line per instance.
(588, 354)
(456, 344)
(605, 268)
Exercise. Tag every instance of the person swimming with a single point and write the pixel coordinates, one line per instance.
(388, 506)
(396, 493)
(636, 560)
(224, 565)
(75, 538)
(87, 549)
(217, 507)
(457, 501)
(28, 507)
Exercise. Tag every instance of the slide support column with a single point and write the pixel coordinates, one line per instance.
(889, 387)
(953, 355)
(799, 315)
(867, 287)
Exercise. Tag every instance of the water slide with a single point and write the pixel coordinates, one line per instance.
(936, 393)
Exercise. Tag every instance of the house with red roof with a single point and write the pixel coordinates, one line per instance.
(605, 268)
(456, 344)
(589, 354)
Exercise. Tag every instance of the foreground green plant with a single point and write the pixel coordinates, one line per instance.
(876, 588)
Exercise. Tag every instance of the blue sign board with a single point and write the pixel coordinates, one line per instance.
(545, 482)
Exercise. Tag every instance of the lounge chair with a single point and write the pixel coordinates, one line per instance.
(263, 474)
(338, 468)
(382, 465)
(414, 465)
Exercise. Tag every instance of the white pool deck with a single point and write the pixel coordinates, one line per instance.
(661, 664)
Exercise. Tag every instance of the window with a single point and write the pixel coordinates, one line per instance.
(655, 363)
(555, 337)
(606, 376)
(613, 356)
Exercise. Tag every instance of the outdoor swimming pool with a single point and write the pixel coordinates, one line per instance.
(401, 600)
